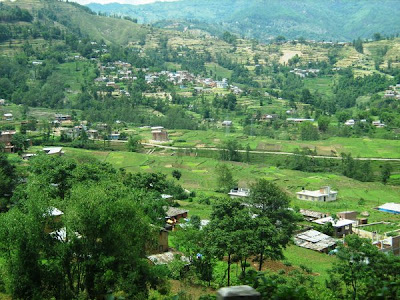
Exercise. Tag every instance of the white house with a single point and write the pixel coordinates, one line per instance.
(341, 227)
(350, 122)
(324, 194)
(53, 151)
(227, 123)
(239, 193)
(8, 117)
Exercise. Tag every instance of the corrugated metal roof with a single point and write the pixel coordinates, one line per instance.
(390, 206)
(314, 240)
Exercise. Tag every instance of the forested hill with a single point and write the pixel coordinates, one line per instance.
(67, 17)
(264, 19)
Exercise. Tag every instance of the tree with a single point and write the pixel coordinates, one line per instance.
(230, 231)
(363, 272)
(275, 222)
(385, 173)
(308, 132)
(134, 144)
(19, 142)
(7, 179)
(358, 45)
(230, 151)
(323, 123)
(377, 36)
(176, 174)
(225, 180)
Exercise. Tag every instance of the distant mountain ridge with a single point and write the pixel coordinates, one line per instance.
(265, 19)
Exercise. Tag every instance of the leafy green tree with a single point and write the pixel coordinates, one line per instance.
(177, 174)
(363, 272)
(230, 151)
(8, 178)
(308, 132)
(225, 180)
(134, 144)
(385, 173)
(229, 231)
(275, 221)
(323, 123)
(19, 142)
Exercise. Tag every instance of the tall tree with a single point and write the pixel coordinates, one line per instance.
(275, 221)
(230, 228)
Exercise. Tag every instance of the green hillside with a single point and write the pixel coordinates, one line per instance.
(81, 20)
(262, 19)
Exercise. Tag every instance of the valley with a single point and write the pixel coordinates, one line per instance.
(124, 145)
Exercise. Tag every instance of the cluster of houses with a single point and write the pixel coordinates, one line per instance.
(305, 73)
(113, 73)
(393, 92)
(377, 123)
(343, 223)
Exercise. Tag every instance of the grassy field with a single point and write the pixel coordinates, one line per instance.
(321, 84)
(358, 147)
(218, 70)
(198, 174)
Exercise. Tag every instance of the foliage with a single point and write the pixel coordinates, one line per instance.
(308, 132)
(363, 272)
(275, 223)
(176, 174)
(225, 180)
(134, 144)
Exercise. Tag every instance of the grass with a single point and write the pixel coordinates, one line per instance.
(321, 84)
(319, 263)
(358, 147)
(198, 174)
(218, 70)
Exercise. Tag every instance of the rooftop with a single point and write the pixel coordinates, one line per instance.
(241, 192)
(314, 240)
(394, 207)
(335, 223)
(174, 211)
(52, 150)
(165, 258)
(317, 193)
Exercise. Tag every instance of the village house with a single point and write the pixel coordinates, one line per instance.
(113, 136)
(160, 243)
(166, 258)
(269, 117)
(239, 193)
(160, 135)
(61, 117)
(53, 151)
(393, 208)
(347, 215)
(315, 240)
(299, 120)
(350, 122)
(227, 123)
(342, 227)
(93, 134)
(310, 215)
(324, 194)
(53, 217)
(378, 124)
(174, 215)
(389, 244)
(5, 139)
(8, 117)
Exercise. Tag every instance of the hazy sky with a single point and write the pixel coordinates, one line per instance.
(121, 1)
